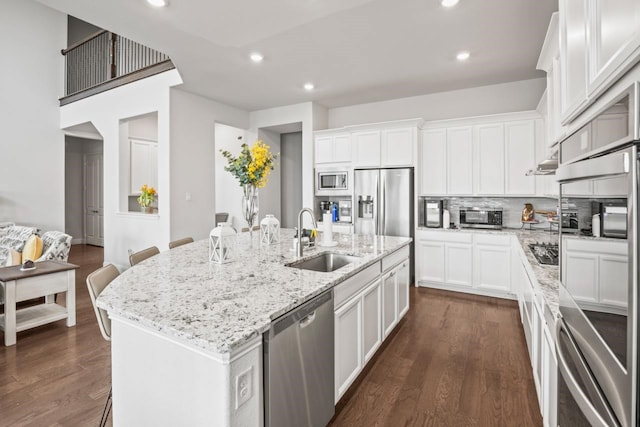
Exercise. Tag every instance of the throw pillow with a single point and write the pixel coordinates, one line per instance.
(14, 258)
(32, 249)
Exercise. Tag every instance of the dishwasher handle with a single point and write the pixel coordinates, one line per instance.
(304, 315)
(308, 320)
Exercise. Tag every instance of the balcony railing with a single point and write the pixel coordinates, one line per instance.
(106, 60)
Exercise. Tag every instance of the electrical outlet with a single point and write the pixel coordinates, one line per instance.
(244, 387)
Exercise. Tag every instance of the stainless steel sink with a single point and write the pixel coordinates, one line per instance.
(324, 262)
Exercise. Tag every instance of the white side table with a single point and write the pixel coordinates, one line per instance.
(49, 278)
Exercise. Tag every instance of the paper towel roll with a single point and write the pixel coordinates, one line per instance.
(327, 223)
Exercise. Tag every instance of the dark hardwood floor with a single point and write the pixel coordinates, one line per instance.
(54, 375)
(455, 360)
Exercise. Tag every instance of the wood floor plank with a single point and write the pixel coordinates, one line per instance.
(468, 366)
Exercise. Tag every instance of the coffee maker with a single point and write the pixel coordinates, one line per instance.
(432, 210)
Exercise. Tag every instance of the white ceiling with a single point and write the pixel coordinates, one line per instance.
(354, 51)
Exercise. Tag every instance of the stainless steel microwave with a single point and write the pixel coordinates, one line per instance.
(333, 182)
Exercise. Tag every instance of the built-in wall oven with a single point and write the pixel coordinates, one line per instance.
(597, 334)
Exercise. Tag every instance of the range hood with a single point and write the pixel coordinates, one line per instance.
(545, 167)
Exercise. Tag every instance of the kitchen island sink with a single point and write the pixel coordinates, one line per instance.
(325, 262)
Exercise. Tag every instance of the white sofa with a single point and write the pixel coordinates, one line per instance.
(55, 244)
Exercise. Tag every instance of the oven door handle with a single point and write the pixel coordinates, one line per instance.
(611, 164)
(585, 405)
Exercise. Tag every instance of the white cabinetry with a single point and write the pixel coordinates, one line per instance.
(460, 160)
(144, 164)
(398, 146)
(366, 148)
(367, 308)
(491, 262)
(595, 273)
(433, 165)
(348, 344)
(489, 164)
(471, 262)
(481, 156)
(599, 42)
(333, 148)
(520, 147)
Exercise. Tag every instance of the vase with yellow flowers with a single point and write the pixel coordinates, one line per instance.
(146, 198)
(251, 168)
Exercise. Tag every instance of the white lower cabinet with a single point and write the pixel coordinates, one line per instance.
(371, 319)
(368, 307)
(464, 261)
(348, 344)
(389, 307)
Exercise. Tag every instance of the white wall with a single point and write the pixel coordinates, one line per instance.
(228, 193)
(125, 231)
(270, 195)
(501, 98)
(193, 161)
(305, 114)
(290, 178)
(32, 144)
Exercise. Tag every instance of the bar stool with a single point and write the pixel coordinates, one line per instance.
(140, 256)
(96, 282)
(180, 242)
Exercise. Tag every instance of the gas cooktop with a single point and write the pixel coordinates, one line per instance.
(545, 253)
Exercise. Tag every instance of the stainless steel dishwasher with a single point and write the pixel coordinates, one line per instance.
(299, 366)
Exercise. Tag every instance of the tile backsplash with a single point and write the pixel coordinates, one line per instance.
(512, 208)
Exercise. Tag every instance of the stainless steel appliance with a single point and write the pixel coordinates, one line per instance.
(481, 218)
(345, 210)
(325, 206)
(432, 211)
(613, 219)
(384, 197)
(332, 182)
(597, 333)
(569, 221)
(545, 253)
(299, 366)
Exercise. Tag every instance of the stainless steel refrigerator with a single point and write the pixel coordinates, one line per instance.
(384, 201)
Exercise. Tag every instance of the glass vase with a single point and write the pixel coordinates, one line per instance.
(250, 206)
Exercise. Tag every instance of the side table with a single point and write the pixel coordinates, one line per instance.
(49, 278)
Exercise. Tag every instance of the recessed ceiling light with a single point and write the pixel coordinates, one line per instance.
(463, 56)
(449, 3)
(256, 57)
(158, 3)
(309, 86)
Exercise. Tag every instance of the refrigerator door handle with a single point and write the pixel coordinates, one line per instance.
(381, 204)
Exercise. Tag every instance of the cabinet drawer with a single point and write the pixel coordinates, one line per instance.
(493, 239)
(395, 258)
(353, 285)
(597, 246)
(447, 236)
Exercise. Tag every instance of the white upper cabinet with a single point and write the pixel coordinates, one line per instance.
(614, 40)
(333, 149)
(366, 148)
(599, 42)
(383, 147)
(460, 160)
(433, 166)
(482, 156)
(520, 147)
(573, 56)
(489, 143)
(398, 146)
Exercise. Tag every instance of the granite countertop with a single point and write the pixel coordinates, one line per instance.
(547, 277)
(218, 308)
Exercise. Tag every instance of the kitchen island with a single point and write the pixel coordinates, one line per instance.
(187, 333)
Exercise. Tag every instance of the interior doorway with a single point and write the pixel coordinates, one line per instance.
(84, 199)
(290, 178)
